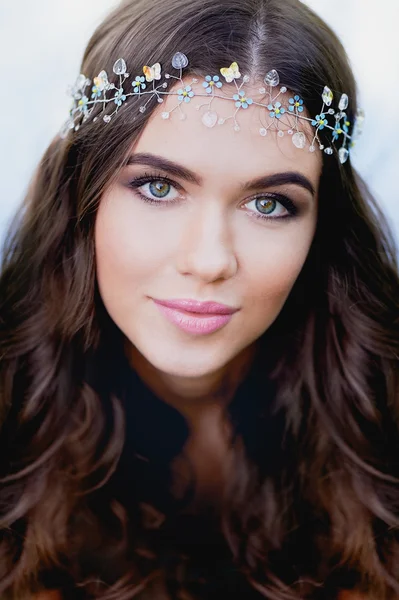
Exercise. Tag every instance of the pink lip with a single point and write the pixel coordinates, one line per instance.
(194, 306)
(195, 322)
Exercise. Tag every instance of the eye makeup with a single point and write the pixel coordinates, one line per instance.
(160, 196)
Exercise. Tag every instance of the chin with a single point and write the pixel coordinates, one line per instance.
(184, 364)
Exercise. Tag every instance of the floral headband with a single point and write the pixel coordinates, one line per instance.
(283, 118)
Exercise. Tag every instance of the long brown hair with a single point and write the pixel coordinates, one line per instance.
(329, 513)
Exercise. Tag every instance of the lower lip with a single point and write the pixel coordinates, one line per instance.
(190, 322)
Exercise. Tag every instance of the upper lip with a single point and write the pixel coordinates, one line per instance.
(214, 308)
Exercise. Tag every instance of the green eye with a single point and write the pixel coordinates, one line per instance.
(159, 189)
(155, 189)
(266, 205)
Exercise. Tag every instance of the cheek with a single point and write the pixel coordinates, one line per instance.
(117, 250)
(272, 271)
(127, 248)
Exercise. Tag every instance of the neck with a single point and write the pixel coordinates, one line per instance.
(196, 398)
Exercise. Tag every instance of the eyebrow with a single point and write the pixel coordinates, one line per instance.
(181, 172)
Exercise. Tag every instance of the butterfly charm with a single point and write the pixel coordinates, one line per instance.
(230, 73)
(101, 81)
(153, 72)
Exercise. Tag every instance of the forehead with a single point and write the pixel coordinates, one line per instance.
(183, 137)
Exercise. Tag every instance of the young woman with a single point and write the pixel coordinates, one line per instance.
(149, 450)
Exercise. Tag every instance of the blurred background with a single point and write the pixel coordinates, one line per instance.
(42, 43)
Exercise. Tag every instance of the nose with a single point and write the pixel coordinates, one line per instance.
(206, 249)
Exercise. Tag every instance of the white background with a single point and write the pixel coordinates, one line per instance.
(42, 42)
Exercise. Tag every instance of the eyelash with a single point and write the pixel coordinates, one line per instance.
(138, 182)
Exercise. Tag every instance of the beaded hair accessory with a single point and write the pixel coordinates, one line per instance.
(284, 118)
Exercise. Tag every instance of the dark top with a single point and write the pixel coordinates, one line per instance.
(155, 434)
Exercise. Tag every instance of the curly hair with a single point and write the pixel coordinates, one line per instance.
(325, 514)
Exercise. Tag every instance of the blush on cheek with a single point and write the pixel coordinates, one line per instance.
(277, 280)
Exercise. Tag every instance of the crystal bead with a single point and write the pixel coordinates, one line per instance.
(179, 61)
(343, 154)
(237, 128)
(245, 78)
(312, 148)
(80, 82)
(160, 100)
(165, 115)
(195, 80)
(263, 131)
(299, 139)
(106, 118)
(209, 118)
(272, 78)
(119, 67)
(329, 151)
(221, 121)
(95, 119)
(327, 96)
(330, 111)
(142, 109)
(343, 103)
(262, 90)
(280, 133)
(290, 132)
(77, 127)
(164, 85)
(283, 89)
(167, 76)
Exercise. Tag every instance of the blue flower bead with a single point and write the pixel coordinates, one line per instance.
(276, 110)
(82, 104)
(320, 121)
(185, 94)
(119, 97)
(211, 82)
(241, 100)
(96, 92)
(138, 84)
(296, 104)
(337, 131)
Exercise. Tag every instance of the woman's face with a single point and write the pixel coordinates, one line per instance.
(200, 238)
